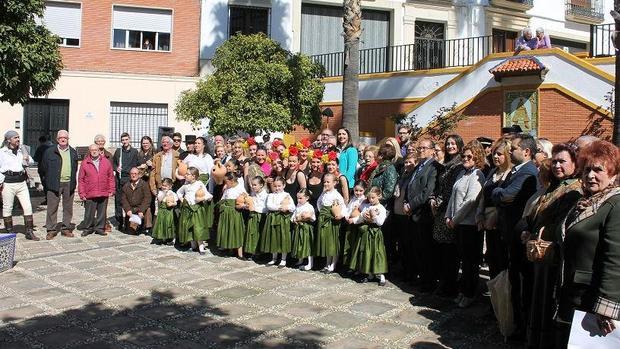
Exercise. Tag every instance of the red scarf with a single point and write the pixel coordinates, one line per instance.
(365, 176)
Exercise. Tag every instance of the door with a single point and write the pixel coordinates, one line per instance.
(504, 40)
(44, 117)
(429, 45)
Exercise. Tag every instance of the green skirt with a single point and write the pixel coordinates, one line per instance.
(303, 240)
(231, 227)
(368, 254)
(192, 223)
(164, 228)
(276, 237)
(350, 239)
(208, 206)
(327, 242)
(256, 224)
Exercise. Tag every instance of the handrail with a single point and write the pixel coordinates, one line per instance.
(421, 55)
(601, 44)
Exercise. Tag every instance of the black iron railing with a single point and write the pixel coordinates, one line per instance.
(601, 44)
(422, 54)
(584, 8)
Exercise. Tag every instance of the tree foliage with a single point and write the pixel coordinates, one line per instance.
(30, 61)
(256, 86)
(443, 122)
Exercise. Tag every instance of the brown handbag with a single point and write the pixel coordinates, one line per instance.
(539, 250)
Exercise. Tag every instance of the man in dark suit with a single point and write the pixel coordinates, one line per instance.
(420, 245)
(511, 198)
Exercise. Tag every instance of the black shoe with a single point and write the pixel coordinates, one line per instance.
(363, 280)
(85, 233)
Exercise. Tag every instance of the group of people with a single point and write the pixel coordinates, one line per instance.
(546, 214)
(527, 41)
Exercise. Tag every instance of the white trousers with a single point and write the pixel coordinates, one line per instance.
(9, 192)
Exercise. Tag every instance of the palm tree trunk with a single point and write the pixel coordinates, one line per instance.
(352, 25)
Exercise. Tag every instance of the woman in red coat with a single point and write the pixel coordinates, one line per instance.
(95, 184)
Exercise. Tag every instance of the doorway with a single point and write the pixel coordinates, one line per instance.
(44, 117)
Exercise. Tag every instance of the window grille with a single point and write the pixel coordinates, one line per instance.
(137, 119)
(249, 20)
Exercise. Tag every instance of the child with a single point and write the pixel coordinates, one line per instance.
(368, 255)
(330, 205)
(192, 221)
(164, 229)
(352, 211)
(303, 229)
(231, 227)
(256, 220)
(276, 237)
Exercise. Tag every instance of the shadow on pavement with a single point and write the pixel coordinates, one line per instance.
(154, 321)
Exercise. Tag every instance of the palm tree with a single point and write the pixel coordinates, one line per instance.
(352, 25)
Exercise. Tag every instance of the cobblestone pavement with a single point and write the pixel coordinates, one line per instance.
(120, 291)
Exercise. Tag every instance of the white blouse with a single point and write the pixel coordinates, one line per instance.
(352, 205)
(204, 163)
(234, 192)
(274, 201)
(305, 208)
(328, 198)
(260, 201)
(380, 214)
(188, 192)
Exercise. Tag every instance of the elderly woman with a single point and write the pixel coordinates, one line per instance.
(398, 160)
(461, 217)
(100, 142)
(545, 222)
(543, 40)
(543, 151)
(591, 248)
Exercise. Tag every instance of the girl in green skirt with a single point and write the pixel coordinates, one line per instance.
(256, 219)
(352, 211)
(164, 229)
(303, 229)
(331, 206)
(231, 226)
(276, 237)
(368, 254)
(192, 220)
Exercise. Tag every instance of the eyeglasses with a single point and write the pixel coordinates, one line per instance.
(177, 139)
(467, 157)
(423, 148)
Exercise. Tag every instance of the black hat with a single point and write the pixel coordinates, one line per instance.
(190, 139)
(512, 129)
(485, 141)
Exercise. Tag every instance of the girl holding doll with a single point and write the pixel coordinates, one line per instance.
(164, 229)
(303, 229)
(368, 255)
(192, 221)
(276, 237)
(231, 226)
(201, 160)
(256, 220)
(352, 211)
(331, 206)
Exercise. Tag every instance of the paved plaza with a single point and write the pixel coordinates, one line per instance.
(120, 291)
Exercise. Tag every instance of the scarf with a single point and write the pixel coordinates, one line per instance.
(365, 176)
(588, 206)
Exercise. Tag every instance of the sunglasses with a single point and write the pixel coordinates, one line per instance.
(177, 139)
(468, 157)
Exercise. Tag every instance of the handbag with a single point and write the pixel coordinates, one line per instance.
(539, 250)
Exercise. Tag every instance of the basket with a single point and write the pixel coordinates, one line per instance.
(7, 251)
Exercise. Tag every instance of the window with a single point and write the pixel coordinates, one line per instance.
(572, 46)
(65, 20)
(248, 20)
(138, 119)
(141, 28)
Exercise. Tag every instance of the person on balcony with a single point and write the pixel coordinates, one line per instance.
(543, 39)
(526, 41)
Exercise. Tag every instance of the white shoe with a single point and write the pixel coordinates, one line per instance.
(466, 302)
(282, 264)
(306, 267)
(273, 262)
(458, 298)
(201, 248)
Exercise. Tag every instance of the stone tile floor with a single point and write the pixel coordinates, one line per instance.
(120, 291)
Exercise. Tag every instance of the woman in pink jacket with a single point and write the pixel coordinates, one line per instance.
(95, 184)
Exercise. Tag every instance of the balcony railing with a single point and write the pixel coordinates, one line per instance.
(422, 54)
(584, 10)
(601, 44)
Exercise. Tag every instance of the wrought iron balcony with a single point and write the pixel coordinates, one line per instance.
(584, 11)
(601, 44)
(514, 4)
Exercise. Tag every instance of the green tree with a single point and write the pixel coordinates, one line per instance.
(256, 86)
(30, 62)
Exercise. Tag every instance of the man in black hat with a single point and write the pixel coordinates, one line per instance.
(510, 131)
(190, 141)
(487, 144)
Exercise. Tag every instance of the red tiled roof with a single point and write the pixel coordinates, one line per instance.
(518, 65)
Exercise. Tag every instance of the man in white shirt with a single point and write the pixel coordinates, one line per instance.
(13, 162)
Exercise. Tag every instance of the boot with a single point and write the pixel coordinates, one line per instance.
(8, 225)
(30, 228)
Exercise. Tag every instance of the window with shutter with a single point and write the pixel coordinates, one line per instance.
(65, 20)
(141, 28)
